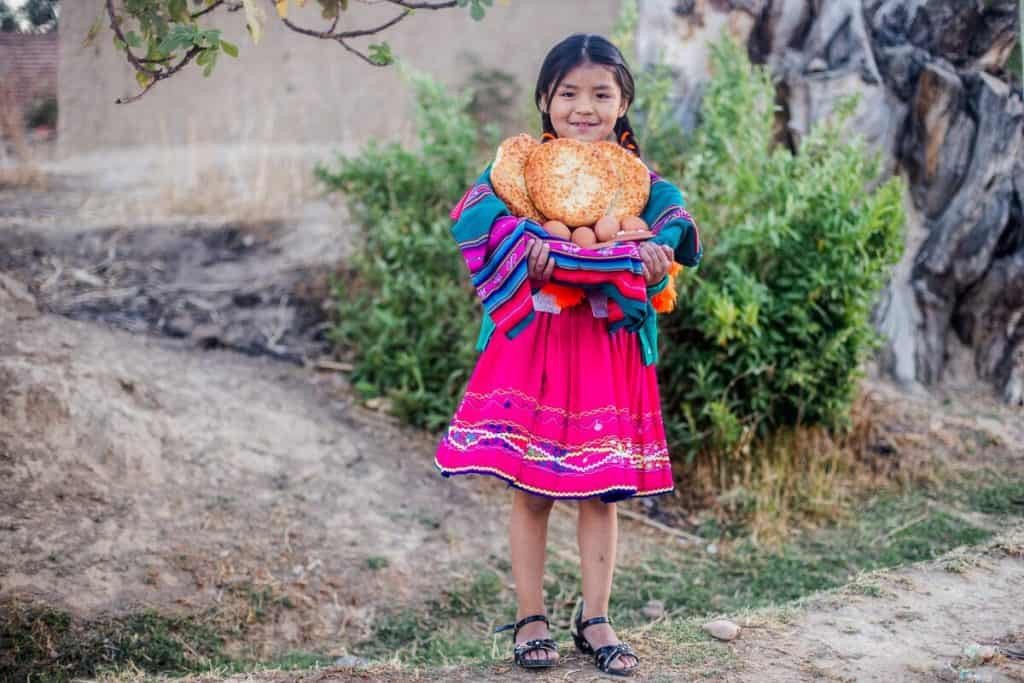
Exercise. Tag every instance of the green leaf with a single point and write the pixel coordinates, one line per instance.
(133, 39)
(230, 49)
(143, 78)
(177, 10)
(380, 53)
(476, 11)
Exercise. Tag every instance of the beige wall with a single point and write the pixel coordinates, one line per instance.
(293, 89)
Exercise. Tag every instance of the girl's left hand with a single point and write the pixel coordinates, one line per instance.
(657, 261)
(539, 263)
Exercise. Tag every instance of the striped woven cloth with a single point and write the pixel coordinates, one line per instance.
(494, 244)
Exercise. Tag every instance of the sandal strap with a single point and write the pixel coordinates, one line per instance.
(523, 622)
(606, 656)
(592, 621)
(537, 644)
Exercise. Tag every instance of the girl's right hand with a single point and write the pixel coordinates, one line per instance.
(539, 263)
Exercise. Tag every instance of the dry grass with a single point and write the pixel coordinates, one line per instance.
(263, 189)
(803, 476)
(23, 177)
(255, 184)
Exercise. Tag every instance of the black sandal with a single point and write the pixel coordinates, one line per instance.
(606, 655)
(522, 649)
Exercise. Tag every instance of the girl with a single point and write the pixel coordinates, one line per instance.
(563, 402)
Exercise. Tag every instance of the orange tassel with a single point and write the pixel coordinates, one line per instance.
(665, 300)
(564, 296)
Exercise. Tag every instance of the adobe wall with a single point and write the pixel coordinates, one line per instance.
(292, 89)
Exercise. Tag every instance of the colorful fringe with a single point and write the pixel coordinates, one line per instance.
(665, 300)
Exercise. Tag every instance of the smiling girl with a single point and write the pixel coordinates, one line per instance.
(565, 405)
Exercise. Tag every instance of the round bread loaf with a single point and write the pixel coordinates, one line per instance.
(570, 181)
(507, 176)
(634, 180)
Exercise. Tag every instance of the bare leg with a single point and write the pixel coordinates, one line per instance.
(598, 532)
(528, 536)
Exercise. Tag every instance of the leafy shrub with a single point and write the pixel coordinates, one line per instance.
(406, 311)
(774, 326)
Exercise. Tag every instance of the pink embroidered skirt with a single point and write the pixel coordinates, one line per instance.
(564, 410)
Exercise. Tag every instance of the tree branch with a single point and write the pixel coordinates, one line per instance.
(157, 70)
(154, 74)
(329, 35)
(362, 55)
(423, 5)
(161, 75)
(116, 26)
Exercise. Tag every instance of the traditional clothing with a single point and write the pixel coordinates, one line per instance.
(563, 402)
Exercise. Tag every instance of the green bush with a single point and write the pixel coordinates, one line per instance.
(774, 326)
(770, 331)
(406, 312)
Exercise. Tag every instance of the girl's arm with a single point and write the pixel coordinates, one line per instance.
(672, 223)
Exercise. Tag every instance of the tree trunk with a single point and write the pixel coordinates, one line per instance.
(936, 102)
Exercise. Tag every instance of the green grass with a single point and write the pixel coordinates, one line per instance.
(446, 630)
(42, 644)
(994, 495)
(50, 646)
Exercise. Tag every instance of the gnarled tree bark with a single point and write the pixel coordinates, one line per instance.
(936, 102)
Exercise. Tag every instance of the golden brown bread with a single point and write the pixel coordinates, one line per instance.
(571, 181)
(508, 178)
(634, 180)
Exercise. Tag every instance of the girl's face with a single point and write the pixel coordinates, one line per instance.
(586, 104)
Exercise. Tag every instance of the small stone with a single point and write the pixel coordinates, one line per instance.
(654, 609)
(723, 629)
(349, 660)
(979, 653)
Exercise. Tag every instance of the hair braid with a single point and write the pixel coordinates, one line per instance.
(549, 129)
(625, 136)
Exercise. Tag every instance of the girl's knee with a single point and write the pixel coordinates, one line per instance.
(597, 506)
(535, 504)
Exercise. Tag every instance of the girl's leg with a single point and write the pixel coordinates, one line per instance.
(528, 537)
(597, 532)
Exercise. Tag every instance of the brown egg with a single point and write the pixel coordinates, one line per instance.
(633, 224)
(584, 237)
(558, 229)
(606, 228)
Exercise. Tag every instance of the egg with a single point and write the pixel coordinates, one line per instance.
(633, 224)
(584, 237)
(557, 229)
(606, 228)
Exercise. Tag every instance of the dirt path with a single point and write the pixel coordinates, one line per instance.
(911, 624)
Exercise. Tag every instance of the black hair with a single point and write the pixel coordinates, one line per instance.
(583, 48)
